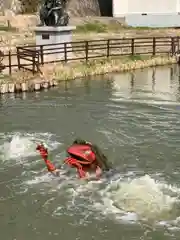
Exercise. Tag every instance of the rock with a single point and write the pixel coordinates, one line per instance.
(51, 83)
(4, 88)
(45, 85)
(37, 86)
(9, 14)
(18, 87)
(83, 8)
(24, 87)
(55, 83)
(11, 87)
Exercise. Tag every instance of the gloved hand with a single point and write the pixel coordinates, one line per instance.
(38, 147)
(98, 172)
(43, 151)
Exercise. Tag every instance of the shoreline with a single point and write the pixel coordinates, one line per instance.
(51, 76)
(105, 66)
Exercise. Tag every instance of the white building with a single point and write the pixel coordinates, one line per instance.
(150, 13)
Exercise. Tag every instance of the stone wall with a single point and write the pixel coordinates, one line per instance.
(83, 8)
(14, 5)
(5, 4)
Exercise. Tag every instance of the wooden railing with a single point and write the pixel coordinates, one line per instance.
(29, 55)
(32, 56)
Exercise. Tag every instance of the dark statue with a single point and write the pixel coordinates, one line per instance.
(53, 13)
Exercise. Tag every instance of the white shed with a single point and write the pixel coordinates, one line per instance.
(150, 13)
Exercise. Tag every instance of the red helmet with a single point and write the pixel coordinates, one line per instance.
(82, 154)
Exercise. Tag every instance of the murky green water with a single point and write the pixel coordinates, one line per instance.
(135, 118)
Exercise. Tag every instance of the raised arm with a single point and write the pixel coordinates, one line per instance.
(44, 154)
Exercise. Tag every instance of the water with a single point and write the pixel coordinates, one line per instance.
(135, 119)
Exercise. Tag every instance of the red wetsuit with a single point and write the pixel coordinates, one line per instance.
(82, 166)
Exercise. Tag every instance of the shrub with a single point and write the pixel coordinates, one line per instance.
(30, 6)
(92, 27)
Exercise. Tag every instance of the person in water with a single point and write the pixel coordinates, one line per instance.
(82, 155)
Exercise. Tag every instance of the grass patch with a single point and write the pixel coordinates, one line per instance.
(4, 78)
(99, 27)
(114, 26)
(151, 28)
(143, 28)
(135, 57)
(92, 27)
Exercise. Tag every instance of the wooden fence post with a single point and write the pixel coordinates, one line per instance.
(132, 46)
(172, 46)
(108, 48)
(42, 54)
(18, 58)
(33, 61)
(65, 52)
(154, 46)
(178, 43)
(37, 62)
(86, 50)
(10, 62)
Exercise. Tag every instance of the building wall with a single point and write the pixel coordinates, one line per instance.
(145, 13)
(152, 6)
(120, 8)
(153, 20)
(124, 7)
(5, 4)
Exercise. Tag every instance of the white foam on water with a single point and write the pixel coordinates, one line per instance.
(18, 146)
(127, 198)
(143, 196)
(146, 101)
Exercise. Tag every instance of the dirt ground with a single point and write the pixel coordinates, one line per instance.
(25, 25)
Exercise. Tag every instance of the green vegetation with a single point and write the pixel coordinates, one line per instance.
(4, 78)
(7, 28)
(113, 26)
(138, 57)
(121, 59)
(80, 69)
(98, 27)
(102, 66)
(30, 6)
(92, 27)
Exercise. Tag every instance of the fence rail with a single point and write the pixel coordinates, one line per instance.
(32, 56)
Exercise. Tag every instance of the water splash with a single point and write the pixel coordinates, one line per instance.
(143, 196)
(123, 199)
(18, 146)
